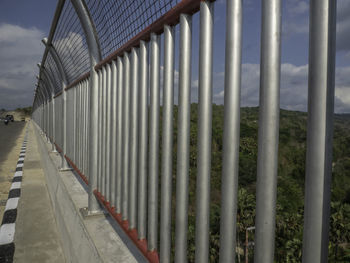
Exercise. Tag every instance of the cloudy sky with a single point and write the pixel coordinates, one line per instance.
(24, 23)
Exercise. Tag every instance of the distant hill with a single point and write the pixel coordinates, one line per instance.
(291, 178)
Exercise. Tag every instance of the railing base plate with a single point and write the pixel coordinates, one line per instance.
(89, 214)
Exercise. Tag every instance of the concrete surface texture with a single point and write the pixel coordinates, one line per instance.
(91, 239)
(11, 138)
(36, 235)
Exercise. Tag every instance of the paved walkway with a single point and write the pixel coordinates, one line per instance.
(36, 236)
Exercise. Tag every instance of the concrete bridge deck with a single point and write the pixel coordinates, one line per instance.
(49, 226)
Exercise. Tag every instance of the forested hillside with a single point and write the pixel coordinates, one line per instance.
(291, 177)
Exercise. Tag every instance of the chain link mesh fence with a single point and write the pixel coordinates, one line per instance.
(116, 22)
(70, 44)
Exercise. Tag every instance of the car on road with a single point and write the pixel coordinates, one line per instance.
(10, 117)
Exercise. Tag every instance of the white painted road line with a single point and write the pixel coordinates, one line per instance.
(15, 185)
(7, 233)
(12, 203)
(18, 173)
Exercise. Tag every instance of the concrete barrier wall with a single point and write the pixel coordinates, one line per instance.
(95, 239)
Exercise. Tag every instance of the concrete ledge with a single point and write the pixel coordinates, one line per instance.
(95, 239)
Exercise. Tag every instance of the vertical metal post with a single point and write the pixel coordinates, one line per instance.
(319, 130)
(104, 130)
(120, 130)
(152, 236)
(108, 131)
(75, 134)
(167, 145)
(99, 146)
(78, 88)
(183, 139)
(87, 128)
(133, 139)
(204, 131)
(126, 136)
(81, 125)
(143, 143)
(54, 55)
(48, 77)
(114, 120)
(266, 189)
(84, 150)
(229, 185)
(93, 206)
(95, 57)
(53, 125)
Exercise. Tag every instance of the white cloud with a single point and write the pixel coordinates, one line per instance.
(343, 25)
(293, 92)
(20, 50)
(291, 28)
(296, 19)
(67, 48)
(297, 7)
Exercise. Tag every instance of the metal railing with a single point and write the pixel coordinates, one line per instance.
(98, 102)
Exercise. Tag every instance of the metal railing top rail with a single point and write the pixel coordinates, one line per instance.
(75, 82)
(58, 94)
(170, 18)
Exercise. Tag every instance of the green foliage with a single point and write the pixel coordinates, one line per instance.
(290, 186)
(27, 110)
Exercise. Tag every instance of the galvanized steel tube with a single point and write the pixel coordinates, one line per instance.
(113, 163)
(229, 183)
(204, 131)
(153, 155)
(64, 165)
(108, 131)
(319, 130)
(78, 102)
(183, 139)
(103, 131)
(75, 134)
(133, 139)
(143, 142)
(99, 126)
(266, 189)
(95, 56)
(167, 145)
(126, 136)
(119, 135)
(93, 206)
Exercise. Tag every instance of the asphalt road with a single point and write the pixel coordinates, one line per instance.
(8, 136)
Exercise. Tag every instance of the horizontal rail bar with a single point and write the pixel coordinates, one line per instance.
(75, 82)
(58, 94)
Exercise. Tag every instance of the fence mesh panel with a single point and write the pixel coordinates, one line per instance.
(52, 70)
(70, 43)
(116, 23)
(119, 21)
